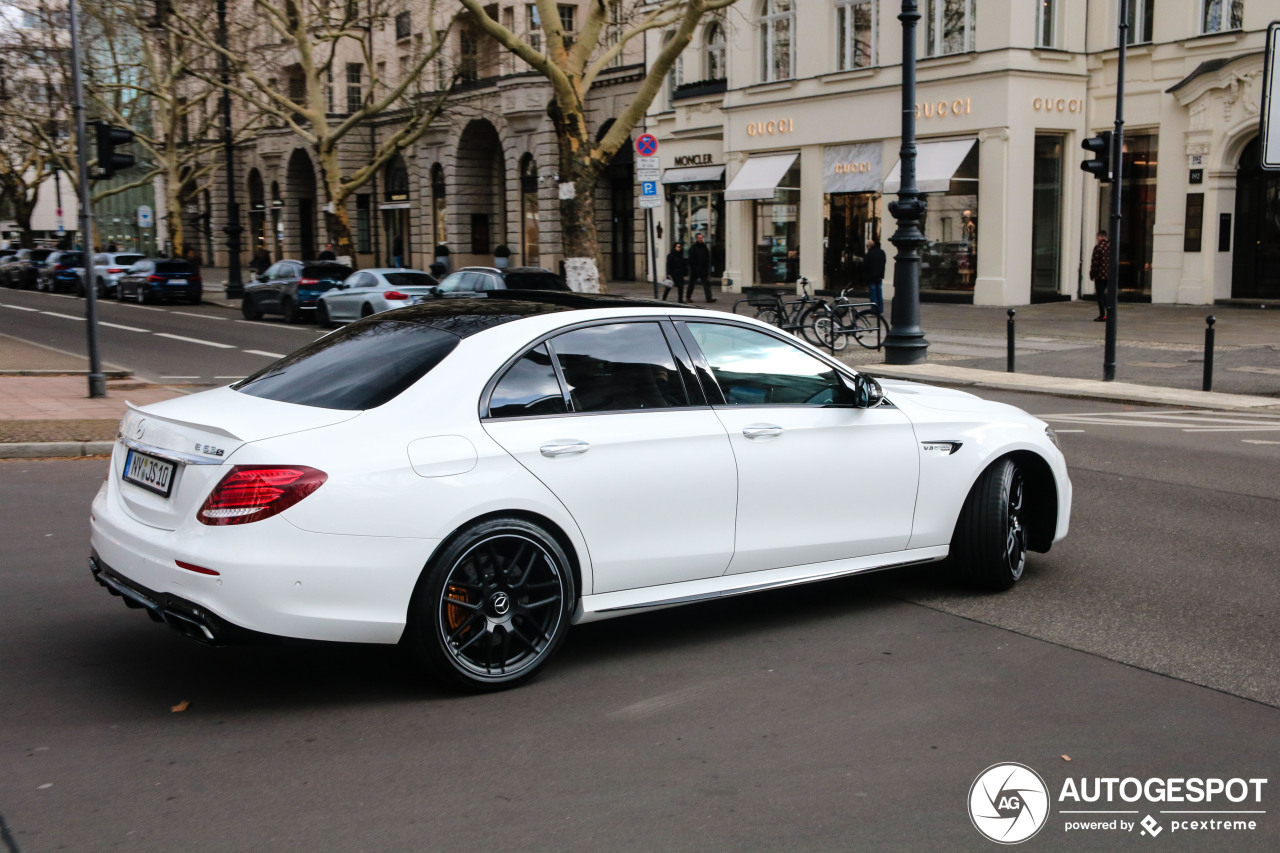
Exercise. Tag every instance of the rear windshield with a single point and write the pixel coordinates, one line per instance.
(329, 272)
(40, 254)
(127, 260)
(535, 281)
(173, 266)
(70, 258)
(358, 367)
(410, 279)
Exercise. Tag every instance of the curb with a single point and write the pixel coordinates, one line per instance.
(55, 449)
(1084, 389)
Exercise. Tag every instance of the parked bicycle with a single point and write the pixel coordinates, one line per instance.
(832, 325)
(790, 315)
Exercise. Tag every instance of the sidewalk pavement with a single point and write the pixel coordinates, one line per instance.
(44, 410)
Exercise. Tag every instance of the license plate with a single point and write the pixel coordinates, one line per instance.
(152, 474)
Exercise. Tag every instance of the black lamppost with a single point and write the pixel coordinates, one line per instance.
(905, 343)
(235, 285)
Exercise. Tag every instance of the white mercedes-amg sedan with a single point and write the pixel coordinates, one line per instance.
(470, 477)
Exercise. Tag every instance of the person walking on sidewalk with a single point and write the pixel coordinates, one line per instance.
(677, 268)
(1100, 273)
(327, 254)
(700, 267)
(873, 273)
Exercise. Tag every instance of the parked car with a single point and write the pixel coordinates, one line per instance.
(470, 280)
(290, 288)
(155, 279)
(62, 271)
(5, 262)
(107, 269)
(370, 291)
(23, 269)
(468, 477)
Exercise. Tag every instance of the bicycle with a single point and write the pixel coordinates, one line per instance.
(832, 325)
(790, 315)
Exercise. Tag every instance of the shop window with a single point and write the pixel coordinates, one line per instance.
(1193, 223)
(1138, 213)
(480, 234)
(777, 231)
(438, 208)
(1046, 13)
(855, 34)
(1141, 13)
(1046, 217)
(949, 257)
(777, 22)
(1221, 15)
(949, 26)
(529, 212)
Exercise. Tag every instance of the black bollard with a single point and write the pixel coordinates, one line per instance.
(1009, 360)
(1207, 385)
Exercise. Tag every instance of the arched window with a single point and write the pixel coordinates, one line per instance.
(777, 25)
(713, 39)
(676, 75)
(855, 34)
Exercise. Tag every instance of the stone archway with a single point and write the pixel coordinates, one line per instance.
(1255, 255)
(479, 195)
(300, 206)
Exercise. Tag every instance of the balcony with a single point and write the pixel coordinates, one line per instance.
(699, 89)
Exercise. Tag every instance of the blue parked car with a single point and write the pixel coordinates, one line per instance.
(61, 272)
(151, 280)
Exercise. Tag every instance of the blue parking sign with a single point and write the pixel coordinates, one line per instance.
(648, 188)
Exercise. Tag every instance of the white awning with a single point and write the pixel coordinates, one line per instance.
(759, 177)
(936, 164)
(693, 175)
(395, 205)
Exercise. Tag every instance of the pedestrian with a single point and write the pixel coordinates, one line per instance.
(397, 252)
(700, 267)
(327, 254)
(873, 273)
(677, 267)
(1100, 273)
(261, 260)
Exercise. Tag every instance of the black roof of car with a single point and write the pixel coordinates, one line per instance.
(467, 316)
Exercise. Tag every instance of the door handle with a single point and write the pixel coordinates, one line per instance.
(761, 430)
(564, 447)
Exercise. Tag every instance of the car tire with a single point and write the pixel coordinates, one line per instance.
(989, 548)
(493, 606)
(249, 308)
(366, 311)
(322, 315)
(102, 289)
(143, 298)
(289, 308)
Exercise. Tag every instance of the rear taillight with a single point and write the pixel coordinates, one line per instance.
(60, 267)
(394, 294)
(308, 282)
(155, 278)
(195, 279)
(114, 270)
(254, 492)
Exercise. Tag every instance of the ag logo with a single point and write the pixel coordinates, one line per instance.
(1008, 803)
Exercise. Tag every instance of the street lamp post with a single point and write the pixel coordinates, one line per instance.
(905, 343)
(235, 285)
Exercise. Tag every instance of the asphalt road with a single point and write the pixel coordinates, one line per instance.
(851, 715)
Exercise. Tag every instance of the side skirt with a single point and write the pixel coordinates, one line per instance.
(592, 608)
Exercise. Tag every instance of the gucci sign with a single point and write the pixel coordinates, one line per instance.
(960, 106)
(768, 128)
(1058, 105)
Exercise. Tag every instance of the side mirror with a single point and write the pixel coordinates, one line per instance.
(861, 392)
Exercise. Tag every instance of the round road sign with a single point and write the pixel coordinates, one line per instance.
(646, 145)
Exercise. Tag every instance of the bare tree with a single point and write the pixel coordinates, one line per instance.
(572, 62)
(305, 43)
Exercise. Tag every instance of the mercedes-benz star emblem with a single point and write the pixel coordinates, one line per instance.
(501, 603)
(140, 428)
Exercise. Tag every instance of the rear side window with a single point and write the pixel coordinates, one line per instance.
(327, 273)
(619, 367)
(530, 387)
(359, 367)
(535, 281)
(40, 254)
(124, 260)
(409, 279)
(173, 267)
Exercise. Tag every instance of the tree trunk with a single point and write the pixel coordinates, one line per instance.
(339, 227)
(22, 210)
(337, 223)
(173, 213)
(580, 241)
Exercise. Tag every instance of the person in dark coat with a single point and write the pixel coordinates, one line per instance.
(700, 267)
(261, 260)
(1100, 273)
(327, 254)
(677, 268)
(873, 273)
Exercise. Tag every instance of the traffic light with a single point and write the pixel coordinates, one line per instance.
(1100, 147)
(109, 138)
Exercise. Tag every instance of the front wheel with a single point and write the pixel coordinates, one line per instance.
(292, 314)
(772, 316)
(493, 607)
(989, 547)
(249, 308)
(322, 314)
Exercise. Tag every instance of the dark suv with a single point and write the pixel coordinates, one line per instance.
(61, 272)
(151, 279)
(470, 280)
(23, 269)
(289, 288)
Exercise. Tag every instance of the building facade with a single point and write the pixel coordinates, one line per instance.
(780, 135)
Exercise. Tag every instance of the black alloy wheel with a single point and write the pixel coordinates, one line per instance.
(989, 547)
(322, 314)
(494, 606)
(102, 289)
(249, 308)
(292, 313)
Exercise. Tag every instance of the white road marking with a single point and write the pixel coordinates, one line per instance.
(228, 377)
(267, 354)
(17, 307)
(179, 377)
(194, 340)
(201, 316)
(1181, 419)
(1060, 431)
(126, 328)
(63, 316)
(1258, 441)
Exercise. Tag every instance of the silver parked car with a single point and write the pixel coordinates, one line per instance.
(371, 291)
(107, 269)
